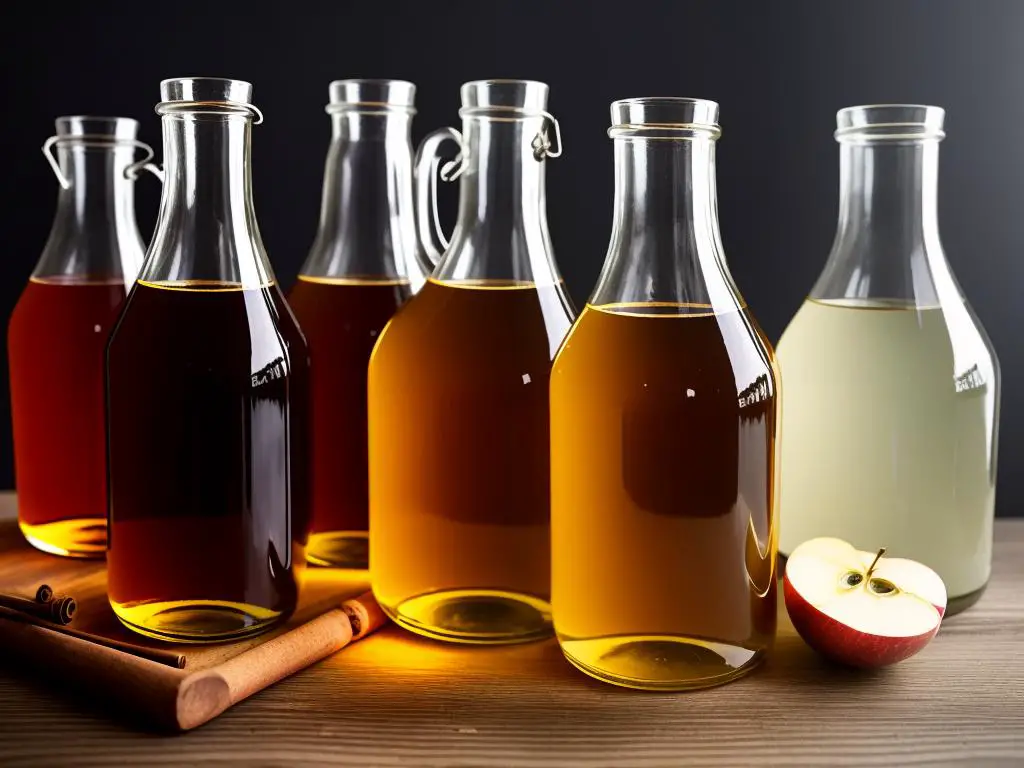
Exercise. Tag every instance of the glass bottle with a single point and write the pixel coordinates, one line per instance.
(891, 384)
(664, 415)
(458, 392)
(362, 267)
(58, 332)
(207, 386)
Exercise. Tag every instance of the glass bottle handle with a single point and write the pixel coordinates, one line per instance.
(428, 224)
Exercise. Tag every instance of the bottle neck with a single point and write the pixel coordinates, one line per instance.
(887, 240)
(889, 194)
(206, 228)
(502, 229)
(94, 232)
(665, 244)
(367, 229)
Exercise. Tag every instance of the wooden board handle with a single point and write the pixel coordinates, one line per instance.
(149, 689)
(203, 695)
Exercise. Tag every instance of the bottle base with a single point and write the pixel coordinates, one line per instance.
(339, 549)
(475, 616)
(196, 621)
(83, 537)
(956, 605)
(660, 662)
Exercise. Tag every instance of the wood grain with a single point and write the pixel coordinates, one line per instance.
(394, 699)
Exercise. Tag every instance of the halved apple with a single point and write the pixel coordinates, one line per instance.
(858, 608)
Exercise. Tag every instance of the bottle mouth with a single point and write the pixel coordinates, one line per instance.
(664, 117)
(504, 99)
(79, 128)
(373, 96)
(899, 123)
(207, 96)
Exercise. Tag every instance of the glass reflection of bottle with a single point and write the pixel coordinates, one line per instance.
(458, 392)
(663, 425)
(891, 384)
(362, 267)
(207, 385)
(58, 333)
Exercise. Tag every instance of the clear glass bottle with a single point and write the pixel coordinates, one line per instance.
(361, 269)
(58, 332)
(664, 408)
(458, 392)
(891, 384)
(207, 387)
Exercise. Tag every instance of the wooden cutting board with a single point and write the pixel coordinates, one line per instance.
(148, 688)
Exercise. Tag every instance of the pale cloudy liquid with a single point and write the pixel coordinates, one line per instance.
(888, 434)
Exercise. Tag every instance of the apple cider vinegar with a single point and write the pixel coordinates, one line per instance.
(890, 443)
(891, 404)
(360, 270)
(457, 390)
(664, 418)
(663, 435)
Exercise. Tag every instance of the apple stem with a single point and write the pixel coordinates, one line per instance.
(875, 561)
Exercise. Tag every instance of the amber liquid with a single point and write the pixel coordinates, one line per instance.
(664, 533)
(459, 466)
(208, 440)
(341, 319)
(55, 342)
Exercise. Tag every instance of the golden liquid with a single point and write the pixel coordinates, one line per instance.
(664, 535)
(459, 460)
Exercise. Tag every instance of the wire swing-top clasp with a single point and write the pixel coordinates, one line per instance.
(543, 147)
(101, 142)
(546, 144)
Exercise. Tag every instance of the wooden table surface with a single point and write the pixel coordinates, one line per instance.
(395, 699)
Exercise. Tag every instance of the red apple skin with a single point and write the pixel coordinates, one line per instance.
(844, 645)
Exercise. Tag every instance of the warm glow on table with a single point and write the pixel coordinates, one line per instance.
(395, 699)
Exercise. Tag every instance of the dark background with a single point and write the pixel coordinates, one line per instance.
(779, 71)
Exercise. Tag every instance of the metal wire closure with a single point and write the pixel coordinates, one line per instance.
(100, 141)
(211, 106)
(543, 148)
(427, 163)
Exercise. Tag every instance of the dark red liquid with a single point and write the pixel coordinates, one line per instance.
(208, 440)
(341, 319)
(56, 341)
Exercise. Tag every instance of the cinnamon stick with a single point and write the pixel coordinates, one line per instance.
(170, 658)
(59, 610)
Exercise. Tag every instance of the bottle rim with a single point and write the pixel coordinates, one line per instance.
(503, 99)
(664, 117)
(219, 96)
(901, 123)
(371, 96)
(101, 129)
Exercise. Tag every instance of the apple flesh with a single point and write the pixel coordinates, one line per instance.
(859, 608)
